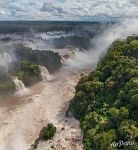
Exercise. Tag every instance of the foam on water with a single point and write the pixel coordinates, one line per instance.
(46, 76)
(20, 87)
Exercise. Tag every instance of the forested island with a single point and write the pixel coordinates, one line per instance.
(27, 68)
(106, 101)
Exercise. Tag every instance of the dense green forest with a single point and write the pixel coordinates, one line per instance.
(27, 68)
(106, 101)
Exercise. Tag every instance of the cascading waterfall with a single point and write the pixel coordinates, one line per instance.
(69, 53)
(45, 74)
(20, 87)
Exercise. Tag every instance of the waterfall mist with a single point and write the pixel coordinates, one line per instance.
(20, 87)
(5, 60)
(102, 42)
(46, 76)
(6, 56)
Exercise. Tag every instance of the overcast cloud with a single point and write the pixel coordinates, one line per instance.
(66, 9)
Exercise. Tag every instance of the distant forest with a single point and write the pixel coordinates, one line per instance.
(44, 26)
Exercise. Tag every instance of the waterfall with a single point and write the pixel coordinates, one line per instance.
(20, 87)
(45, 74)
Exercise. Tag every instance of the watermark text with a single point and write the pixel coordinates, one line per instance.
(122, 143)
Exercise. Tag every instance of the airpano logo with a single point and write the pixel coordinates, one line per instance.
(122, 143)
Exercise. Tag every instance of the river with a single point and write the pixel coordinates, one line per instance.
(21, 122)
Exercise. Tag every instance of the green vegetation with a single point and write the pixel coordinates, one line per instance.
(106, 101)
(6, 85)
(27, 68)
(28, 72)
(46, 134)
(49, 59)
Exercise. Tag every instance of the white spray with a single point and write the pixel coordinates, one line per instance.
(5, 59)
(20, 87)
(102, 42)
(55, 35)
(45, 74)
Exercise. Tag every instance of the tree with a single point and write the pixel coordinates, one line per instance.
(46, 133)
(128, 130)
(134, 100)
(114, 113)
(104, 140)
(123, 114)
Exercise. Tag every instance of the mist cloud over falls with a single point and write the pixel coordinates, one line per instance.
(82, 59)
(102, 42)
(5, 62)
(6, 56)
(5, 59)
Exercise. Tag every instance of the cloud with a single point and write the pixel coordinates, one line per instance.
(67, 9)
(51, 7)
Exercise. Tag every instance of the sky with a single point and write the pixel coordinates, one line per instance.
(67, 9)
